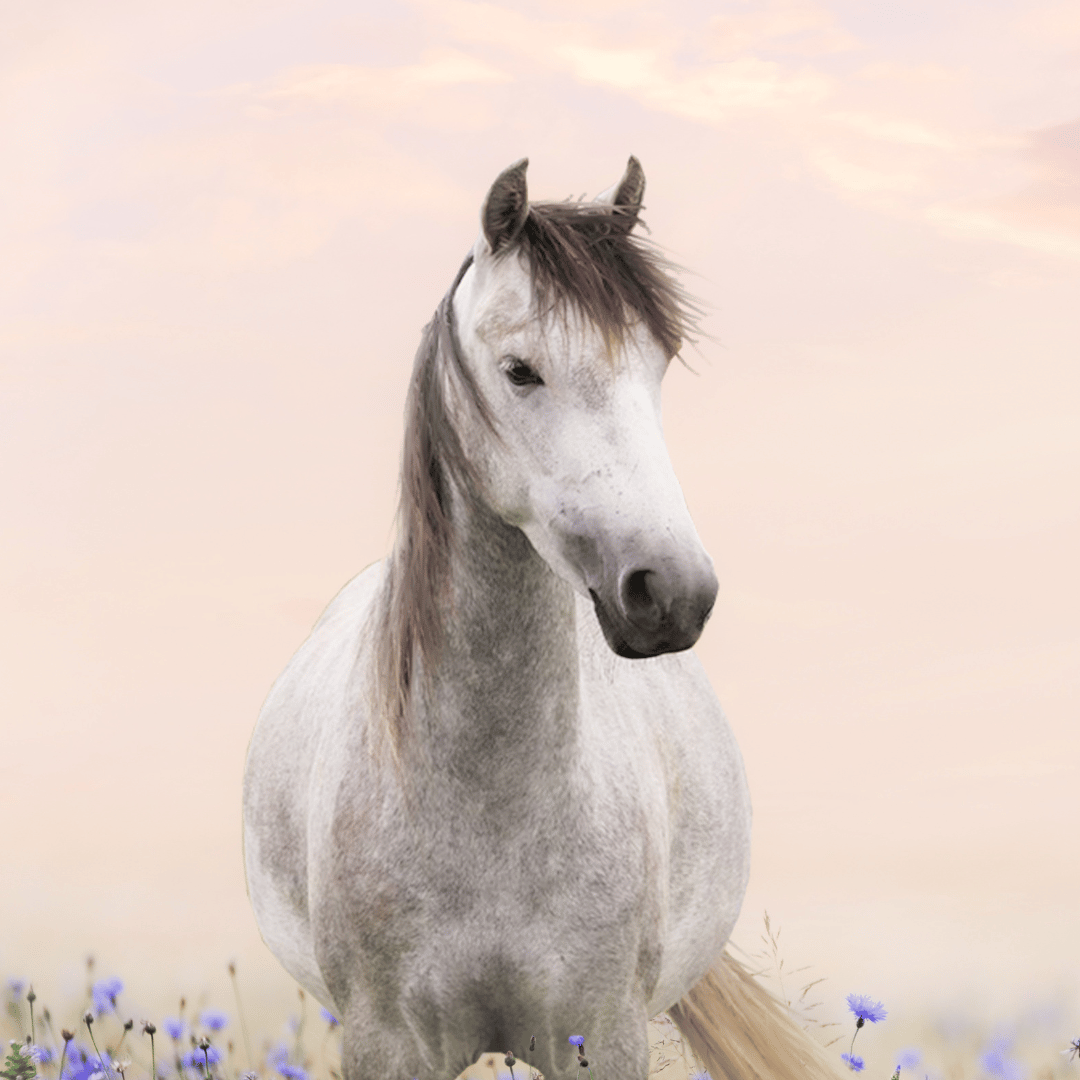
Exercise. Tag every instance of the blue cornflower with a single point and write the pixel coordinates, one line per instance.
(854, 1063)
(86, 1067)
(277, 1056)
(195, 1057)
(865, 1009)
(174, 1026)
(577, 1040)
(330, 1018)
(703, 1075)
(41, 1054)
(213, 1019)
(105, 992)
(908, 1059)
(995, 1062)
(16, 986)
(292, 1072)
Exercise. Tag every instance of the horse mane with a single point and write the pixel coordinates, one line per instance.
(582, 257)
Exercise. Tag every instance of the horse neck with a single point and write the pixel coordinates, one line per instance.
(505, 690)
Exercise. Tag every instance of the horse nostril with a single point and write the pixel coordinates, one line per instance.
(636, 590)
(640, 601)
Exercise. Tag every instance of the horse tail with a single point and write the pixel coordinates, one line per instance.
(738, 1030)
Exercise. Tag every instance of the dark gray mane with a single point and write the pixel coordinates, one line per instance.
(582, 257)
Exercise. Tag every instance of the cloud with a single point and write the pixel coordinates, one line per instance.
(376, 89)
(715, 93)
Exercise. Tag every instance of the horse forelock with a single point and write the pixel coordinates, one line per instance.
(582, 257)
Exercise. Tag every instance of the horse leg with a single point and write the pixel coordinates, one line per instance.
(373, 1051)
(623, 1050)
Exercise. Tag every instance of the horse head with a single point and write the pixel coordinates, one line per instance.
(565, 324)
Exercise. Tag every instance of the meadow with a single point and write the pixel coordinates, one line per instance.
(105, 1036)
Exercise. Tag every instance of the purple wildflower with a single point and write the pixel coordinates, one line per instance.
(174, 1026)
(703, 1075)
(213, 1019)
(196, 1057)
(86, 1067)
(16, 986)
(865, 1009)
(330, 1018)
(42, 1055)
(292, 1072)
(908, 1059)
(105, 992)
(854, 1062)
(995, 1063)
(577, 1040)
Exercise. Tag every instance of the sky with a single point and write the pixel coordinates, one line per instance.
(223, 227)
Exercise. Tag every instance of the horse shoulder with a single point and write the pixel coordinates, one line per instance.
(282, 773)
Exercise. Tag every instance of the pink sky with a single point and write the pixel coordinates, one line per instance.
(223, 227)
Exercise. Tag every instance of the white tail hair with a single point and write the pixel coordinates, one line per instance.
(738, 1030)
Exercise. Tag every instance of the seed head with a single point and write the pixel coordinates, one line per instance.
(66, 1035)
(204, 1043)
(129, 1024)
(582, 1062)
(532, 1044)
(510, 1059)
(88, 1018)
(148, 1028)
(31, 996)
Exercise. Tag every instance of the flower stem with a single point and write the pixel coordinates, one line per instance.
(98, 1052)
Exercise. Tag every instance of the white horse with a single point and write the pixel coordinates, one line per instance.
(493, 796)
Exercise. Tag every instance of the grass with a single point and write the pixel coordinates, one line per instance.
(100, 1038)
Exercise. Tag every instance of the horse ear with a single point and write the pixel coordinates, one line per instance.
(506, 207)
(629, 191)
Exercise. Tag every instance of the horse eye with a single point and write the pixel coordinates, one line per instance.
(520, 374)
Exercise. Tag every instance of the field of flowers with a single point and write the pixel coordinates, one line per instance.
(102, 1038)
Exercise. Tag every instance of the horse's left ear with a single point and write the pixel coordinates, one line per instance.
(629, 191)
(506, 207)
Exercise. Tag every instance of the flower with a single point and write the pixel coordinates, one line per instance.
(196, 1057)
(330, 1018)
(213, 1019)
(703, 1075)
(41, 1054)
(105, 992)
(995, 1063)
(854, 1062)
(174, 1026)
(865, 1009)
(577, 1040)
(16, 986)
(908, 1059)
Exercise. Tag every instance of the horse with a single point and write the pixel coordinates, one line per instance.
(493, 797)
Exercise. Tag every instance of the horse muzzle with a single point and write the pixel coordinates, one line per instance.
(649, 611)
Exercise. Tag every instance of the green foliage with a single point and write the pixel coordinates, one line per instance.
(19, 1065)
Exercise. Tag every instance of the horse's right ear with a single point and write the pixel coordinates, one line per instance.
(506, 207)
